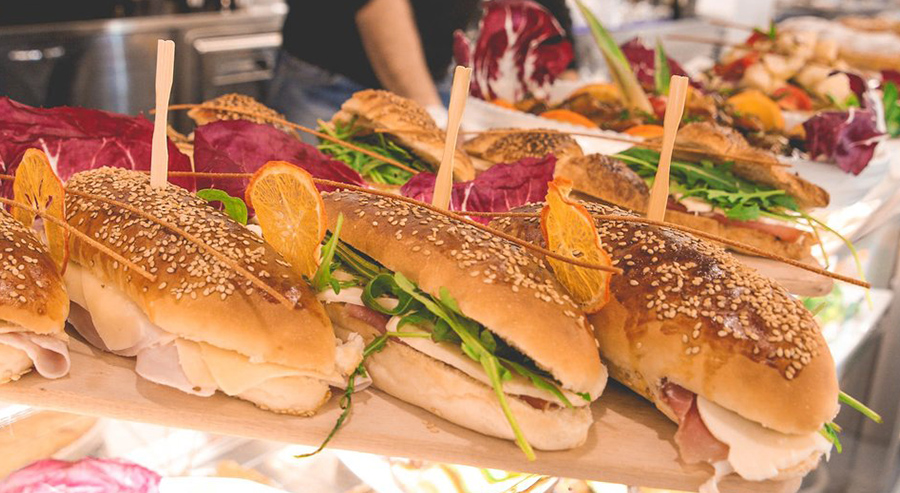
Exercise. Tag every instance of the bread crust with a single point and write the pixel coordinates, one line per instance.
(494, 282)
(613, 181)
(686, 311)
(32, 291)
(407, 123)
(252, 110)
(511, 145)
(762, 167)
(449, 393)
(195, 296)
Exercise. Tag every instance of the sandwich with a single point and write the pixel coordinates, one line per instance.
(247, 109)
(33, 306)
(726, 353)
(718, 184)
(483, 335)
(510, 145)
(392, 126)
(202, 326)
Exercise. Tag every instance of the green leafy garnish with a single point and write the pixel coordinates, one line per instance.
(715, 184)
(891, 109)
(234, 207)
(661, 73)
(373, 169)
(347, 399)
(619, 67)
(539, 381)
(474, 348)
(323, 278)
(859, 406)
(830, 432)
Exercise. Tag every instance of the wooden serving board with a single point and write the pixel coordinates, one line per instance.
(796, 280)
(630, 442)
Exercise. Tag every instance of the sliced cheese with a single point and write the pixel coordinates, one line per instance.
(755, 452)
(453, 355)
(352, 296)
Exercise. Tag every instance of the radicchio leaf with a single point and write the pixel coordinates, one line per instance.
(499, 189)
(78, 139)
(520, 51)
(864, 96)
(91, 474)
(890, 76)
(643, 62)
(846, 137)
(241, 146)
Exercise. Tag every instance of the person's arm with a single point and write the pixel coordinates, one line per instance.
(391, 40)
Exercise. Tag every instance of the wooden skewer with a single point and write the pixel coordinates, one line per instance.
(289, 124)
(443, 183)
(730, 24)
(81, 236)
(159, 157)
(659, 194)
(696, 232)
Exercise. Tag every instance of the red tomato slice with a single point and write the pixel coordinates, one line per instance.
(792, 98)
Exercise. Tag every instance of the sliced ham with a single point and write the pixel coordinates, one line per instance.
(695, 442)
(779, 231)
(369, 316)
(49, 355)
(161, 364)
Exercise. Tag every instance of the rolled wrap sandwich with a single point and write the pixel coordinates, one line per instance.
(726, 353)
(33, 306)
(201, 326)
(493, 290)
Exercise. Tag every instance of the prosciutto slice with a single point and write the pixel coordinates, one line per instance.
(695, 442)
(49, 355)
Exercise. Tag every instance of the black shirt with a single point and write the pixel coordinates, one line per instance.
(324, 33)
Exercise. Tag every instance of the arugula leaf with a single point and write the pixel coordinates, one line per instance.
(234, 207)
(473, 347)
(859, 406)
(384, 284)
(371, 168)
(539, 382)
(661, 72)
(743, 212)
(891, 109)
(322, 278)
(346, 401)
(584, 395)
(830, 432)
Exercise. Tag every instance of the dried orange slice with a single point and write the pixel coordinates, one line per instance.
(569, 230)
(503, 103)
(646, 131)
(604, 92)
(37, 186)
(569, 116)
(290, 212)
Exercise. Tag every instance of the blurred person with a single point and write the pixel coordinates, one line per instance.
(333, 48)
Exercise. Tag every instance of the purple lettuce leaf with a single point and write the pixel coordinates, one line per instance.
(643, 62)
(859, 87)
(501, 188)
(78, 139)
(520, 51)
(240, 146)
(88, 475)
(890, 76)
(848, 138)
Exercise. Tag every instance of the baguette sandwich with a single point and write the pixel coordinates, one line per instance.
(726, 353)
(392, 126)
(33, 306)
(509, 146)
(202, 326)
(749, 197)
(500, 348)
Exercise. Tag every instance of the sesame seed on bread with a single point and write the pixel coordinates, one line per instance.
(511, 145)
(252, 110)
(32, 292)
(495, 282)
(686, 311)
(407, 123)
(195, 296)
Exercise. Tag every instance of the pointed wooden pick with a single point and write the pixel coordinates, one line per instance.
(443, 185)
(165, 68)
(659, 194)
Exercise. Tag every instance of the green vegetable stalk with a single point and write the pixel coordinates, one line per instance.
(371, 168)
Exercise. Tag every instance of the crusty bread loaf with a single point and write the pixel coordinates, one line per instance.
(195, 296)
(250, 110)
(494, 282)
(13, 363)
(750, 163)
(687, 312)
(407, 123)
(612, 181)
(510, 145)
(32, 292)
